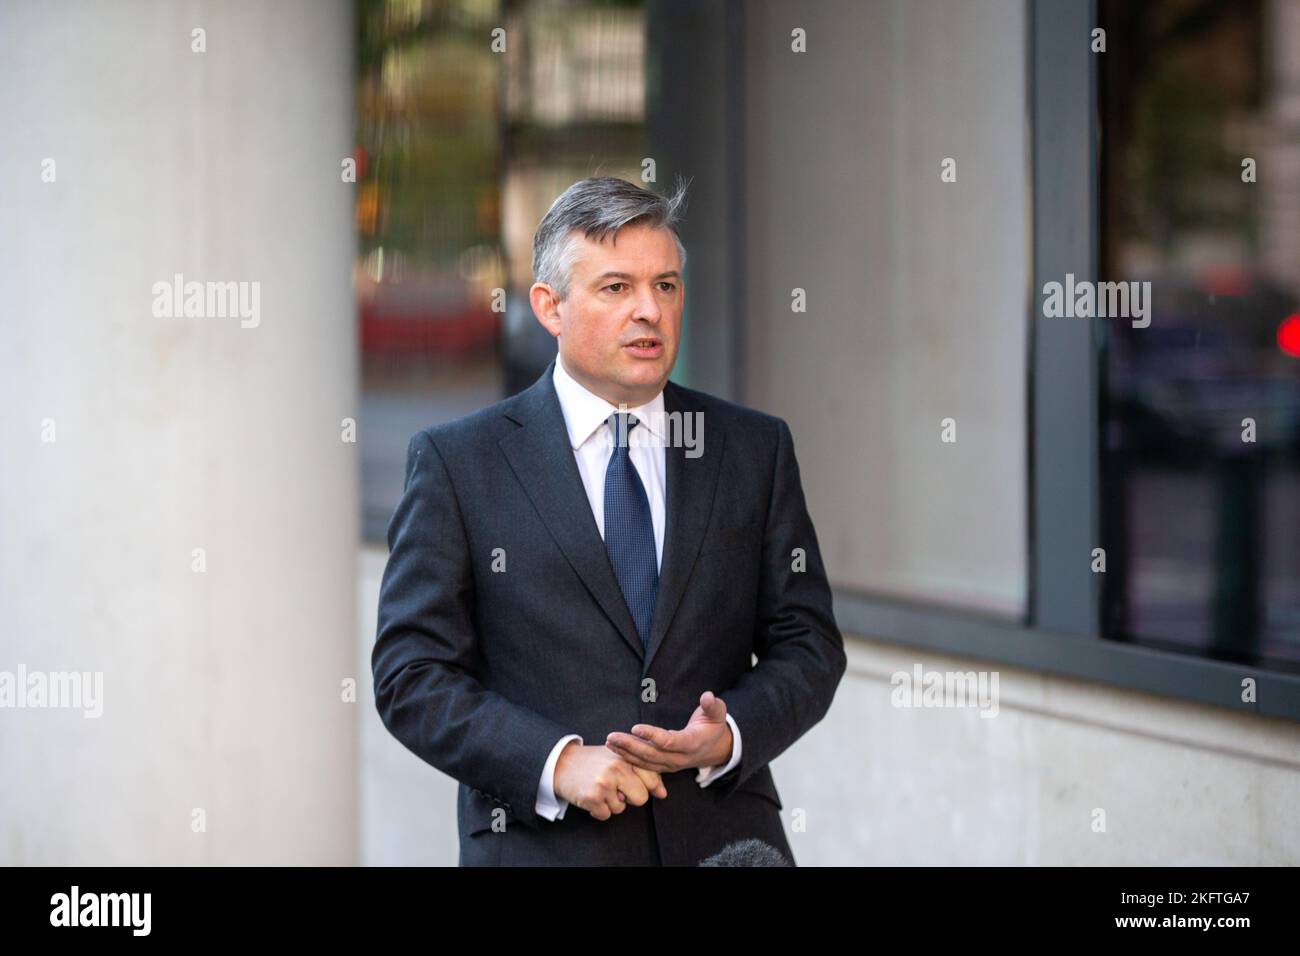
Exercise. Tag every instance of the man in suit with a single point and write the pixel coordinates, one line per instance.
(581, 576)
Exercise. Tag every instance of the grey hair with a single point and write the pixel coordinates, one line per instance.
(598, 207)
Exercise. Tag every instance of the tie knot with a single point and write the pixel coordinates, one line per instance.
(621, 424)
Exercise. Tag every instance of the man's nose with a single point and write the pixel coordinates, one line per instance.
(647, 307)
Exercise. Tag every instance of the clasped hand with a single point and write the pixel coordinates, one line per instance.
(603, 780)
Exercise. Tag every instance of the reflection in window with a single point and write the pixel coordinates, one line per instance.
(460, 151)
(428, 221)
(1201, 410)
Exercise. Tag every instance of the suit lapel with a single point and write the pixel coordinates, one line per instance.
(542, 459)
(689, 489)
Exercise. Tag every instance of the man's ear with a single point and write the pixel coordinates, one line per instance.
(545, 305)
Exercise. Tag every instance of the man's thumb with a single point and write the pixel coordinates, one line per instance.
(712, 705)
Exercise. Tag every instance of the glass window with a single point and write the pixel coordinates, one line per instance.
(1200, 180)
(461, 149)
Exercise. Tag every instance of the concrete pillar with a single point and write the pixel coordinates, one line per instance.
(221, 688)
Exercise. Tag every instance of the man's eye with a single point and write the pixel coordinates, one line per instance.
(668, 286)
(612, 284)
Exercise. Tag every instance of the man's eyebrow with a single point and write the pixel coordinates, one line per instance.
(623, 275)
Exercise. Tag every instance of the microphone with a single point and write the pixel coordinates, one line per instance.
(751, 852)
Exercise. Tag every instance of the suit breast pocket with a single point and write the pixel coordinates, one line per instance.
(732, 539)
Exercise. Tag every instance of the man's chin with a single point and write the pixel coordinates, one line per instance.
(646, 375)
(646, 386)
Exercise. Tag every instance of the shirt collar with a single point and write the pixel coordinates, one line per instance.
(584, 411)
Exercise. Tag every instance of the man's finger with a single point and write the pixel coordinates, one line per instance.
(653, 782)
(663, 739)
(654, 749)
(638, 760)
(632, 787)
(599, 805)
(638, 751)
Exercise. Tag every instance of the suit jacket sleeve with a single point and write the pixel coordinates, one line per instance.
(799, 646)
(426, 649)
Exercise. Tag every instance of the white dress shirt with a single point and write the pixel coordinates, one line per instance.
(585, 414)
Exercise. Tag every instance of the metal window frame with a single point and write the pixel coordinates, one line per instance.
(1061, 631)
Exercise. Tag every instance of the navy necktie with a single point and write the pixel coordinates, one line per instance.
(629, 531)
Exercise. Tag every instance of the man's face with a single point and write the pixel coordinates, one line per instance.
(621, 291)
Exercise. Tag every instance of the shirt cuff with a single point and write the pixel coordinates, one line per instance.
(707, 775)
(548, 804)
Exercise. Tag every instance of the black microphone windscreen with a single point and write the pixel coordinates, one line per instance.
(750, 852)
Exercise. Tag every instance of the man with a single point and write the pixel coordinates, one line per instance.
(570, 611)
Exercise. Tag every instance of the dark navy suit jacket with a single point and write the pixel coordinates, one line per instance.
(480, 671)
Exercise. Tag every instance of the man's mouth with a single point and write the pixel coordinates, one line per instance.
(648, 346)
